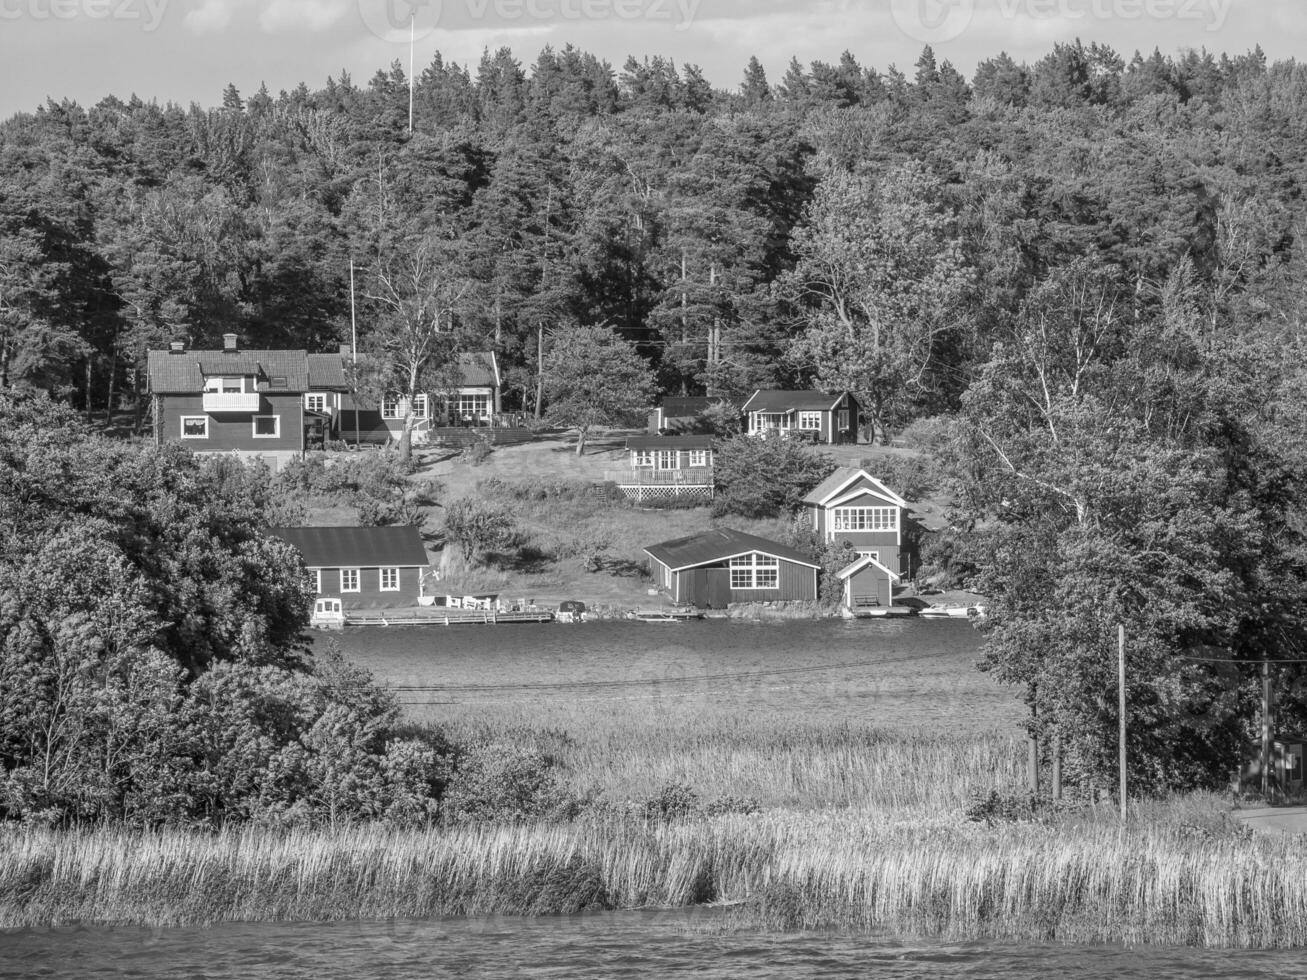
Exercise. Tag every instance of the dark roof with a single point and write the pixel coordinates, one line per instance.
(478, 370)
(765, 400)
(356, 547)
(327, 372)
(185, 372)
(689, 406)
(719, 544)
(669, 442)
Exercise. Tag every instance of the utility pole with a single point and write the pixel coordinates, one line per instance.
(412, 37)
(1266, 729)
(353, 351)
(1120, 644)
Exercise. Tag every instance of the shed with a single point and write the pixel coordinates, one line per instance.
(1286, 767)
(364, 567)
(867, 583)
(716, 568)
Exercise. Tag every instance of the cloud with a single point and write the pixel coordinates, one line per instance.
(293, 16)
(213, 16)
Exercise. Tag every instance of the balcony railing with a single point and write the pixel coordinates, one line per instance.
(694, 476)
(232, 401)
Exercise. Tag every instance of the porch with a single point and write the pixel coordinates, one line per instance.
(647, 483)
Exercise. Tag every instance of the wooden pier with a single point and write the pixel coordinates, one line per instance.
(443, 617)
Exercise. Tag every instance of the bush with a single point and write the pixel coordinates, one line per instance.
(478, 527)
(500, 781)
(765, 477)
(671, 802)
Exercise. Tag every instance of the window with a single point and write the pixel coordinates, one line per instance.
(390, 580)
(866, 518)
(474, 405)
(698, 457)
(770, 420)
(267, 426)
(667, 459)
(419, 406)
(195, 427)
(277, 381)
(873, 555)
(810, 420)
(642, 458)
(317, 581)
(349, 580)
(755, 571)
(390, 407)
(227, 386)
(842, 420)
(315, 403)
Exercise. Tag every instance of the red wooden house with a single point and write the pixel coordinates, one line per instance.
(715, 568)
(853, 507)
(825, 418)
(247, 403)
(363, 567)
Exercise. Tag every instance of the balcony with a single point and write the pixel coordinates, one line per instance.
(694, 476)
(232, 402)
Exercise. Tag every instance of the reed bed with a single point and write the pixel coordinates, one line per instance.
(1154, 880)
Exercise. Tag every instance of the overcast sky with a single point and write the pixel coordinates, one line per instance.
(188, 50)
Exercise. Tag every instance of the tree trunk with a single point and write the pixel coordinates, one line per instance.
(406, 435)
(540, 370)
(580, 440)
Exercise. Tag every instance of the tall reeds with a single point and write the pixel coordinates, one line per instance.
(1152, 880)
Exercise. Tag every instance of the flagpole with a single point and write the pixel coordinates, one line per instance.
(412, 36)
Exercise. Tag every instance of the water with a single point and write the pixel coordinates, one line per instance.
(891, 672)
(698, 944)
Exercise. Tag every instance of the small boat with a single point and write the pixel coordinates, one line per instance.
(657, 617)
(949, 612)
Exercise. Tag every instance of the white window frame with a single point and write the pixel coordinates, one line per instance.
(867, 553)
(421, 407)
(473, 405)
(194, 418)
(217, 385)
(865, 519)
(317, 581)
(276, 427)
(642, 459)
(810, 421)
(381, 579)
(315, 401)
(668, 459)
(698, 458)
(390, 407)
(350, 580)
(842, 420)
(747, 572)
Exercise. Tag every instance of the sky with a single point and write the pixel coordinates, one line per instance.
(189, 50)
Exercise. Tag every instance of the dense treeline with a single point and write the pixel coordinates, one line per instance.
(1090, 270)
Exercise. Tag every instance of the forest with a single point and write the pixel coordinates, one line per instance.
(1078, 284)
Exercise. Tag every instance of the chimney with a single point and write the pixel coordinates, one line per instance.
(177, 347)
(229, 343)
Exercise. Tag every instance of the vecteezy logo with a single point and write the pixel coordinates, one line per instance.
(398, 20)
(932, 21)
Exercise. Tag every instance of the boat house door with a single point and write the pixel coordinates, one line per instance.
(711, 588)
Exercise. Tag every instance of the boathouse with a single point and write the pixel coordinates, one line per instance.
(363, 567)
(716, 568)
(867, 584)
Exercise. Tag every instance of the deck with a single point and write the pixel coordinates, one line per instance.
(434, 616)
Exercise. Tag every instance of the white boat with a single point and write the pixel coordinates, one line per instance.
(657, 617)
(328, 614)
(950, 612)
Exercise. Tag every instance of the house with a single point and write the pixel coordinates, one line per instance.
(867, 583)
(713, 569)
(662, 467)
(825, 418)
(681, 414)
(853, 507)
(471, 399)
(363, 567)
(1284, 773)
(247, 403)
(328, 394)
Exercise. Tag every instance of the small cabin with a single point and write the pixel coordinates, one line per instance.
(661, 467)
(713, 569)
(824, 418)
(361, 567)
(681, 414)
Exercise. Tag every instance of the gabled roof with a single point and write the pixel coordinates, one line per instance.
(478, 369)
(840, 481)
(688, 406)
(669, 442)
(764, 400)
(866, 560)
(356, 547)
(327, 372)
(718, 545)
(184, 372)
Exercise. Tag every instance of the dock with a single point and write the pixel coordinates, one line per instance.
(433, 616)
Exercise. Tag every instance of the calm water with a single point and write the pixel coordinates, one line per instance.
(899, 672)
(696, 944)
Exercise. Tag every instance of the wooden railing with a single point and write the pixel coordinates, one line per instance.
(695, 476)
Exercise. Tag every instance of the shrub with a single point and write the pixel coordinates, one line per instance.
(672, 801)
(500, 781)
(477, 527)
(764, 477)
